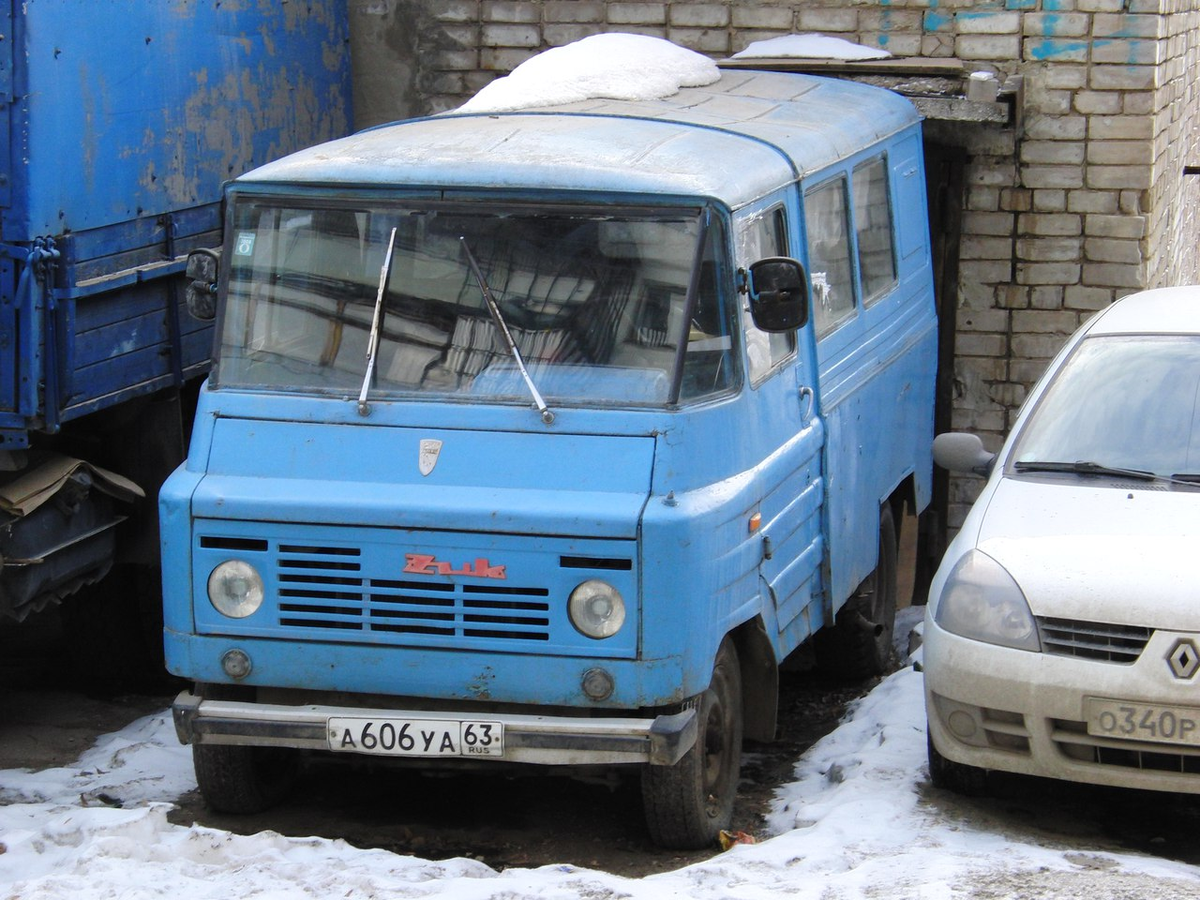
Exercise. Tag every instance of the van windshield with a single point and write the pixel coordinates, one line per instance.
(605, 308)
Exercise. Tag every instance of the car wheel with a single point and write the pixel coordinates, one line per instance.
(959, 778)
(244, 780)
(859, 643)
(688, 804)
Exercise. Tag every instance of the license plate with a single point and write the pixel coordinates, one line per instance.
(416, 737)
(1153, 723)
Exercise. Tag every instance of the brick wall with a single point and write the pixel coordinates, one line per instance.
(1085, 202)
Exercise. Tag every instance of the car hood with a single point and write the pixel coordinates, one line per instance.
(1098, 553)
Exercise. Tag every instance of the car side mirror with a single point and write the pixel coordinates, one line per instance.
(778, 290)
(202, 273)
(962, 453)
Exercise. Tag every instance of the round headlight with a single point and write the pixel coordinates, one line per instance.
(597, 609)
(235, 589)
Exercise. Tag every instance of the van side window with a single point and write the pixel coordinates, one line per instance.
(761, 236)
(873, 227)
(829, 263)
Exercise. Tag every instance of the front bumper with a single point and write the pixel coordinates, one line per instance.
(1016, 711)
(544, 740)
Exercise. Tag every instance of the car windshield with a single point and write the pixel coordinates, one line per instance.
(1120, 402)
(603, 307)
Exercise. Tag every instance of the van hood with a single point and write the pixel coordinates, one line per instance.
(426, 478)
(1120, 554)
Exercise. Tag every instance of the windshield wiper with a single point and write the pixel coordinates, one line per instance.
(1084, 467)
(373, 340)
(502, 327)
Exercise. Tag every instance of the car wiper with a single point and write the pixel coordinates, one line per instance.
(373, 340)
(1084, 467)
(502, 327)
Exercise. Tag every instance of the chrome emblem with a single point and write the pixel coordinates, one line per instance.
(427, 457)
(1184, 659)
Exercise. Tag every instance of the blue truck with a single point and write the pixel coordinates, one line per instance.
(544, 438)
(119, 127)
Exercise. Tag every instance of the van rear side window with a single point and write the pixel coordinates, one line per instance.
(829, 260)
(873, 228)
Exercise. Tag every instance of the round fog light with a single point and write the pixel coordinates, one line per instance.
(597, 609)
(598, 684)
(235, 589)
(236, 663)
(961, 723)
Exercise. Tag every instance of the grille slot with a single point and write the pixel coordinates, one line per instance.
(590, 562)
(1093, 640)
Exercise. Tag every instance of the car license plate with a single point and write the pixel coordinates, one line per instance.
(1150, 722)
(416, 737)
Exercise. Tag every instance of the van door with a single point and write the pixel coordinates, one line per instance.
(782, 372)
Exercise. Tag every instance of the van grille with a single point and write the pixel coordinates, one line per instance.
(324, 589)
(1093, 640)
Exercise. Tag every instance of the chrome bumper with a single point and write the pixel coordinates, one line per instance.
(546, 740)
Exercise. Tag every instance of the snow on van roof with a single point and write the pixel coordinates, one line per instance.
(613, 66)
(620, 66)
(809, 46)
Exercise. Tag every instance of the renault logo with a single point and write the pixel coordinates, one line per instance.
(1184, 659)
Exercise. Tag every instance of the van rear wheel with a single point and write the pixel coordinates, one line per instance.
(688, 804)
(244, 780)
(859, 643)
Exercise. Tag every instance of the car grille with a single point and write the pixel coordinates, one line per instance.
(322, 588)
(1093, 640)
(1073, 741)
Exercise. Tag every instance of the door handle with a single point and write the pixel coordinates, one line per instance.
(806, 402)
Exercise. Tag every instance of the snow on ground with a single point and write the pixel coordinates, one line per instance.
(851, 825)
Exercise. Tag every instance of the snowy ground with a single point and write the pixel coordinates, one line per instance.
(852, 824)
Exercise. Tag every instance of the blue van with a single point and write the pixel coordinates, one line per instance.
(544, 437)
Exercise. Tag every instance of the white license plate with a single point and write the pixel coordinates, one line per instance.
(1151, 722)
(416, 737)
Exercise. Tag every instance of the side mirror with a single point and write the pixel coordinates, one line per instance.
(963, 453)
(203, 271)
(778, 294)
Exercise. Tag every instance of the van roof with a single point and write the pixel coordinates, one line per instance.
(735, 140)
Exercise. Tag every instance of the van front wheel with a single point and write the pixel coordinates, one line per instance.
(689, 804)
(244, 780)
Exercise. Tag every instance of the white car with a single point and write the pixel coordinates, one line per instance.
(1062, 636)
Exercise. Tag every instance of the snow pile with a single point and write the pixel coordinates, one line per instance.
(613, 66)
(809, 46)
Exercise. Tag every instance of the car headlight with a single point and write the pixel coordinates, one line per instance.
(597, 609)
(981, 601)
(235, 589)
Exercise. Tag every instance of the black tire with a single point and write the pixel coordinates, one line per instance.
(851, 649)
(244, 780)
(688, 804)
(958, 778)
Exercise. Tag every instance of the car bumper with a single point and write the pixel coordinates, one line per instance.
(1015, 711)
(544, 740)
